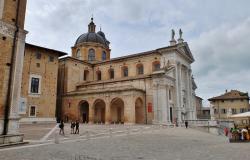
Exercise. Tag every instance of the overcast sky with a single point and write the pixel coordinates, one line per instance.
(217, 31)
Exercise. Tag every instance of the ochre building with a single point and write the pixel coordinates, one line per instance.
(229, 103)
(149, 87)
(39, 84)
(12, 42)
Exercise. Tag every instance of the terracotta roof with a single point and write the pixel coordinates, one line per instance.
(59, 53)
(233, 94)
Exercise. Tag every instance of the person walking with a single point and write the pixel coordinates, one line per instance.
(186, 124)
(61, 126)
(77, 127)
(72, 127)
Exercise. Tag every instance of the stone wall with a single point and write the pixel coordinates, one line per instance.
(46, 70)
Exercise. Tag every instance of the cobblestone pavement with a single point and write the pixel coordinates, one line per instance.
(141, 142)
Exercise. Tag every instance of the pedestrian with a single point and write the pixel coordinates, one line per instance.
(186, 124)
(77, 127)
(72, 127)
(61, 126)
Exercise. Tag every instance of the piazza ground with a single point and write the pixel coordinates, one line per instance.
(142, 142)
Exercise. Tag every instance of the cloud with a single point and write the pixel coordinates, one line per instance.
(217, 32)
(222, 59)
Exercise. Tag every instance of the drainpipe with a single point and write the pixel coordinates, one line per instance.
(145, 104)
(7, 106)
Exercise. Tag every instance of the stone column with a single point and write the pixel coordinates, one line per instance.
(91, 113)
(16, 83)
(157, 109)
(129, 110)
(178, 91)
(168, 104)
(107, 112)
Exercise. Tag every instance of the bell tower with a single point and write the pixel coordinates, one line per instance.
(12, 44)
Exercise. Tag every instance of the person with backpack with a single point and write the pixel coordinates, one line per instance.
(72, 127)
(61, 126)
(77, 127)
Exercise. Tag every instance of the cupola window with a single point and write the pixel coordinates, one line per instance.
(78, 54)
(91, 55)
(104, 56)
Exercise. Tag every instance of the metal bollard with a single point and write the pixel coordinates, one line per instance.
(87, 135)
(128, 131)
(110, 132)
(57, 137)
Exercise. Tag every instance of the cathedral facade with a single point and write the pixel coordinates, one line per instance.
(150, 87)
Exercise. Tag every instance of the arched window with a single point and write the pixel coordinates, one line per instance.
(99, 75)
(91, 55)
(156, 66)
(104, 55)
(111, 73)
(78, 54)
(124, 71)
(140, 69)
(86, 75)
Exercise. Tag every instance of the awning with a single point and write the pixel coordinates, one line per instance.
(241, 115)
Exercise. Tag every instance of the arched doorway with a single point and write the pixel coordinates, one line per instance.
(84, 111)
(99, 111)
(139, 111)
(117, 110)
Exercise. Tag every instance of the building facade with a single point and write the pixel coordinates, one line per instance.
(150, 87)
(12, 42)
(233, 102)
(39, 84)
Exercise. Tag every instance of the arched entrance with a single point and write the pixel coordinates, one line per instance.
(117, 110)
(139, 111)
(84, 111)
(99, 111)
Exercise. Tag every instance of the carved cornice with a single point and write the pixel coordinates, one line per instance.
(7, 29)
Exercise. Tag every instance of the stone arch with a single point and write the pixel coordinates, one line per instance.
(139, 111)
(117, 110)
(84, 111)
(99, 111)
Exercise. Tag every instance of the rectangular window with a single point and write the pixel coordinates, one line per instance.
(125, 72)
(34, 85)
(242, 110)
(51, 59)
(223, 111)
(38, 55)
(234, 111)
(215, 111)
(112, 74)
(32, 111)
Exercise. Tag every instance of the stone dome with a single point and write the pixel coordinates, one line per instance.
(91, 37)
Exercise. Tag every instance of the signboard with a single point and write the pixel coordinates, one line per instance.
(150, 108)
